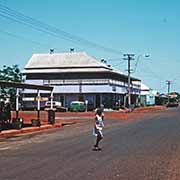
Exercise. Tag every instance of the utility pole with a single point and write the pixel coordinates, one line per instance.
(169, 86)
(129, 57)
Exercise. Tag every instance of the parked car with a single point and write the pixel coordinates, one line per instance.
(172, 104)
(77, 106)
(57, 106)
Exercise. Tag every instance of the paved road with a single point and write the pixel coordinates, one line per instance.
(144, 149)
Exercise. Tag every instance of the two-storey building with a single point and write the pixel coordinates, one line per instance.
(78, 76)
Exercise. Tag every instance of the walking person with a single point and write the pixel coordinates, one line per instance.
(98, 126)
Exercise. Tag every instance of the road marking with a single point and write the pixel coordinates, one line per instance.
(4, 148)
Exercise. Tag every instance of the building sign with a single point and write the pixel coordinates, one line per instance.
(41, 98)
(114, 88)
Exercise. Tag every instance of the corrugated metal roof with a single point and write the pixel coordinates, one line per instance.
(63, 60)
(66, 63)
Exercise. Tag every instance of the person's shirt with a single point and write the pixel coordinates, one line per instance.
(99, 122)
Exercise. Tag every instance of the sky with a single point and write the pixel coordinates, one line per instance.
(129, 26)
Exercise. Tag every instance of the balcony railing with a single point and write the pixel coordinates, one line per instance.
(87, 81)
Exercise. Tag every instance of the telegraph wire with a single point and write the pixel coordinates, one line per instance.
(27, 21)
(135, 66)
(162, 88)
(23, 38)
(152, 72)
(13, 15)
(29, 25)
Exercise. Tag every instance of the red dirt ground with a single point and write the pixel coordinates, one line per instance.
(64, 118)
(74, 116)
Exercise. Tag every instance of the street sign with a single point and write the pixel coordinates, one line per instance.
(41, 98)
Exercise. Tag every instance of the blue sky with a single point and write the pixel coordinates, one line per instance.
(130, 26)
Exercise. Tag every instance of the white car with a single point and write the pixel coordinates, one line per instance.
(57, 106)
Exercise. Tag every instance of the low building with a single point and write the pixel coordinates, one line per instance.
(148, 96)
(78, 76)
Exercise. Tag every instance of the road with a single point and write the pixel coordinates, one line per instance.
(147, 148)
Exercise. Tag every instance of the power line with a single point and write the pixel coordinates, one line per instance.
(137, 61)
(32, 26)
(116, 59)
(118, 65)
(23, 38)
(152, 72)
(162, 88)
(25, 20)
(18, 17)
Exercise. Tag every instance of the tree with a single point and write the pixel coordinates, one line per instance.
(12, 74)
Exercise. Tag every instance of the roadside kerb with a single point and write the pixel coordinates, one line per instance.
(13, 132)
